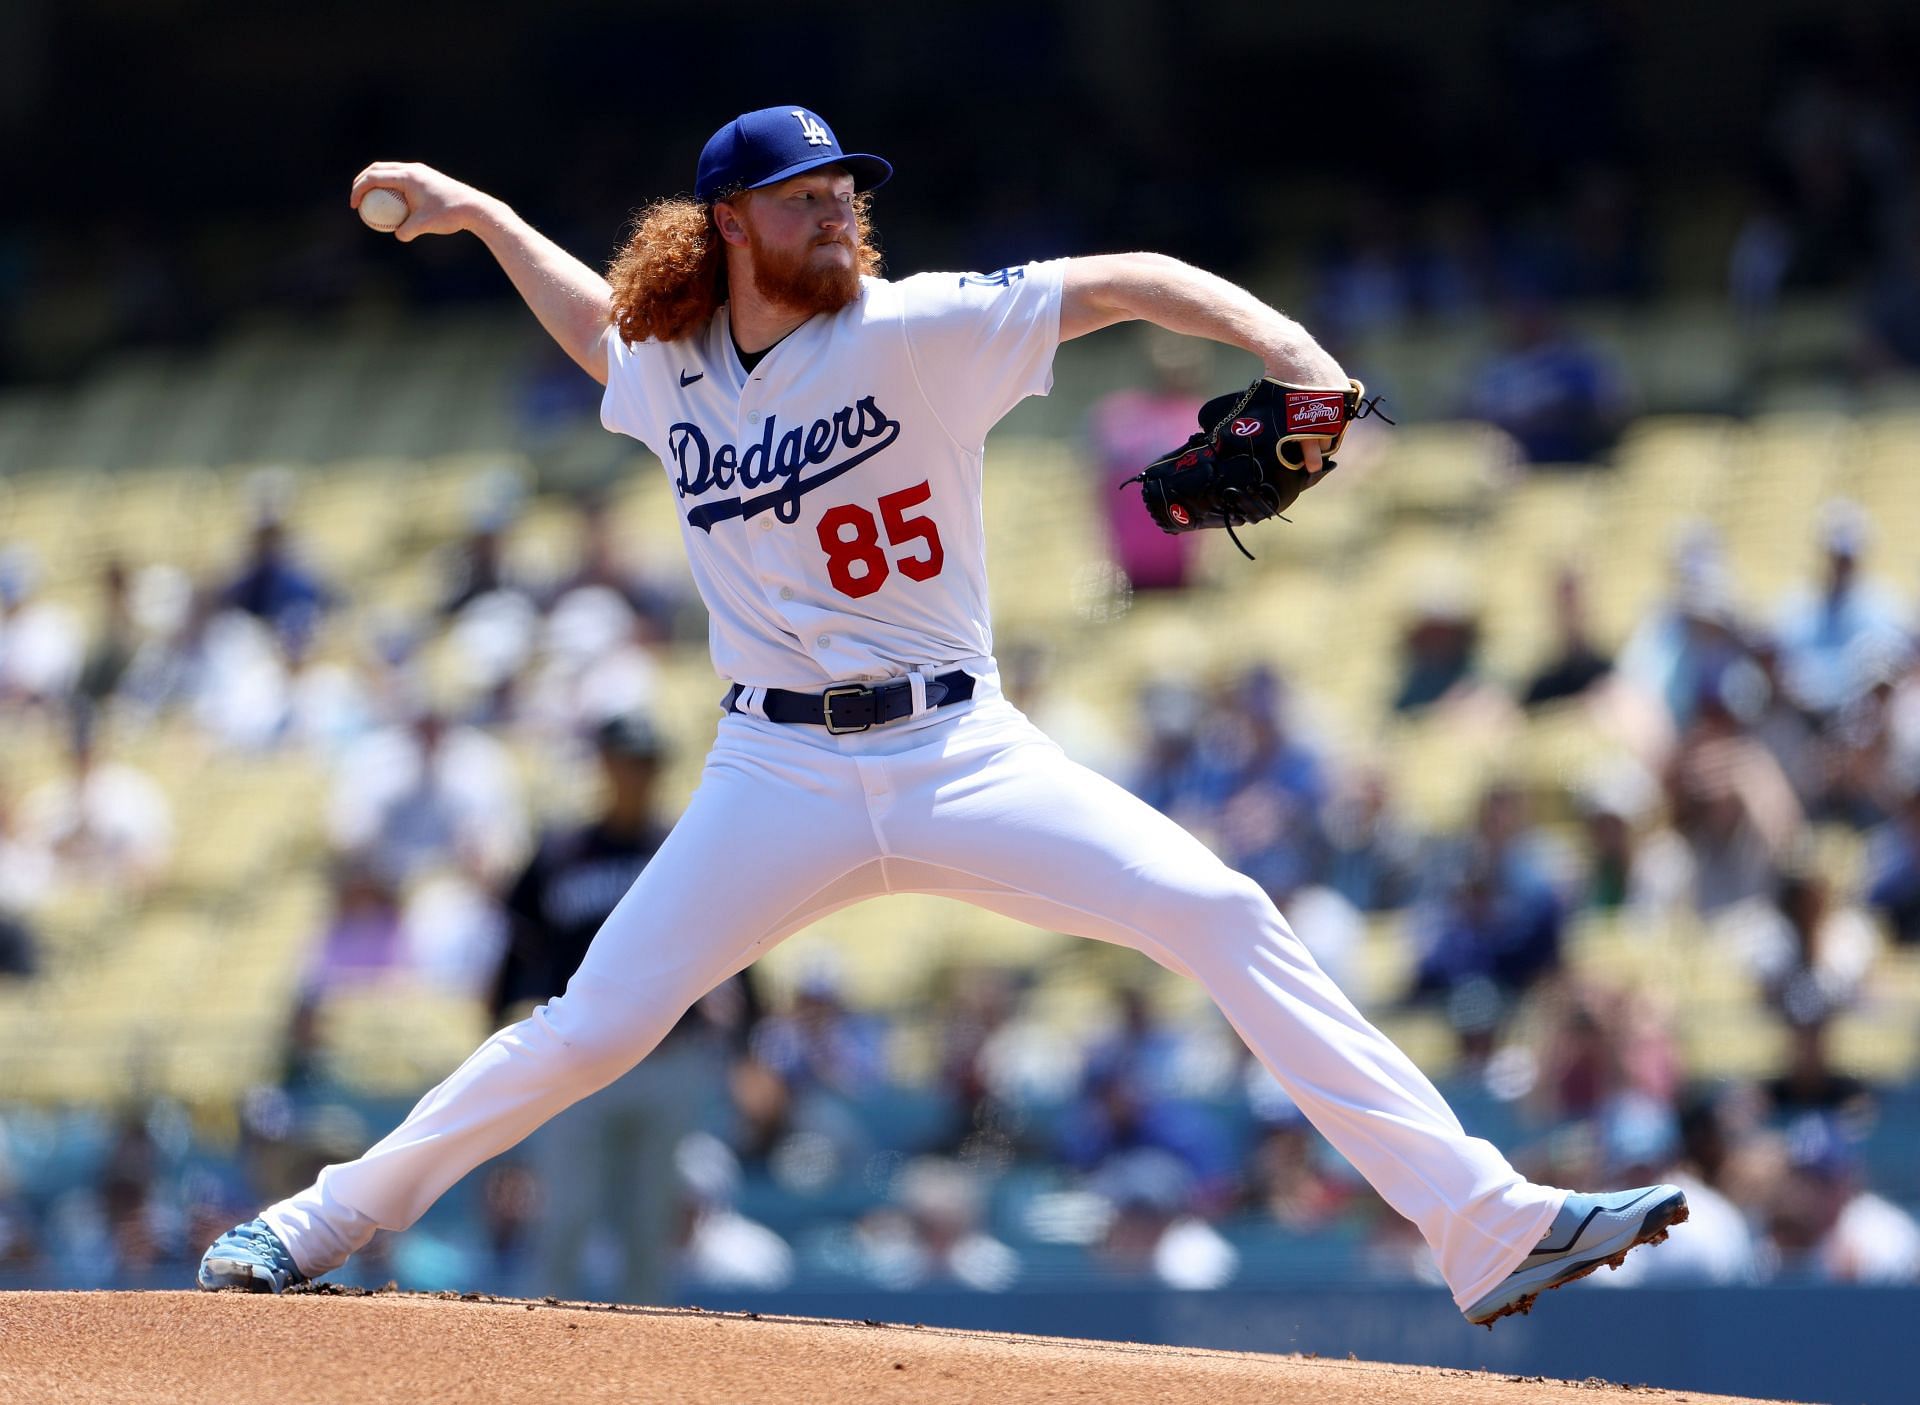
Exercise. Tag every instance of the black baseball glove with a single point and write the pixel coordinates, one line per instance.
(1248, 461)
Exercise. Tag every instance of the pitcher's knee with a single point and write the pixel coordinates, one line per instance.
(1233, 912)
(594, 1035)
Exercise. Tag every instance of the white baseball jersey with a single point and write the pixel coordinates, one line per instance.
(830, 499)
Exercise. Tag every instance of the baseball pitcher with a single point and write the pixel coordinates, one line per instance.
(822, 429)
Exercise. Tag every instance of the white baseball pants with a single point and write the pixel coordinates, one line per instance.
(789, 824)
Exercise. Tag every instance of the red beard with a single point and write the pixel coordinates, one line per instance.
(794, 280)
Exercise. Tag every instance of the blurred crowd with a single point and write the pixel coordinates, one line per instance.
(974, 1138)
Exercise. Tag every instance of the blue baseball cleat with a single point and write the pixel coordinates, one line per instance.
(249, 1256)
(1589, 1231)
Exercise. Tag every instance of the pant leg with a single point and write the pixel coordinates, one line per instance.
(775, 837)
(999, 816)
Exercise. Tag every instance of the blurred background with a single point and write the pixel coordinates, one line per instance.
(349, 671)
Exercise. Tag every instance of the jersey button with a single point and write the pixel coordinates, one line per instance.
(754, 418)
(766, 524)
(825, 641)
(786, 592)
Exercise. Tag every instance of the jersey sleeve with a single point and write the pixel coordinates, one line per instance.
(982, 342)
(625, 407)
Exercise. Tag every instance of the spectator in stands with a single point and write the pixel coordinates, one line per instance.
(1890, 312)
(597, 659)
(1729, 801)
(364, 937)
(1607, 253)
(1893, 867)
(474, 568)
(1258, 744)
(1563, 399)
(1494, 915)
(41, 643)
(811, 1064)
(133, 1199)
(19, 958)
(720, 1247)
(1824, 145)
(428, 795)
(1271, 783)
(1825, 1225)
(978, 1005)
(1600, 1044)
(932, 1232)
(1131, 1099)
(1690, 636)
(1291, 1177)
(105, 824)
(26, 868)
(171, 618)
(1129, 429)
(603, 560)
(238, 678)
(111, 652)
(1760, 258)
(325, 706)
(1631, 860)
(1866, 756)
(609, 1160)
(1830, 634)
(1366, 280)
(1577, 663)
(1371, 857)
(1810, 1082)
(1000, 1059)
(1439, 654)
(1809, 954)
(1171, 774)
(1153, 1229)
(271, 585)
(1781, 725)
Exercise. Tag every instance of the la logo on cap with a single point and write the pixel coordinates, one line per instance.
(812, 128)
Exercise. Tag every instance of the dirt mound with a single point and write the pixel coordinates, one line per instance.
(134, 1348)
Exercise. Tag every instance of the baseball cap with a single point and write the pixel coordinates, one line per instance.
(772, 144)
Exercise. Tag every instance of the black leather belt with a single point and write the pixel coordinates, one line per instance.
(853, 707)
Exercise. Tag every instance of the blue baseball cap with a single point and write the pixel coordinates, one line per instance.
(773, 144)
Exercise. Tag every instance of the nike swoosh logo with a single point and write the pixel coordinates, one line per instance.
(687, 380)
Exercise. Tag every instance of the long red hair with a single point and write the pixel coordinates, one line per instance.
(672, 272)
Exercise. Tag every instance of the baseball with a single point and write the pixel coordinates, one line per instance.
(383, 209)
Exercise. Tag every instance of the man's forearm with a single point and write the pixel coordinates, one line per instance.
(1109, 288)
(572, 302)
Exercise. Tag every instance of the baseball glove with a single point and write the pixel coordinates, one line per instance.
(1248, 461)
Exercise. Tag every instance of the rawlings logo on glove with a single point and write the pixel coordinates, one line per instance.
(1306, 409)
(1248, 462)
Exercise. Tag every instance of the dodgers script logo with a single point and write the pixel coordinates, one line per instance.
(861, 430)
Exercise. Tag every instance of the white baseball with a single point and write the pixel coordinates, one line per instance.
(383, 209)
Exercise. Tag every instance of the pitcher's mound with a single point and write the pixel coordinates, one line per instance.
(407, 1349)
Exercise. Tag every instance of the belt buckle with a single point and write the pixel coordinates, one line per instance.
(846, 690)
